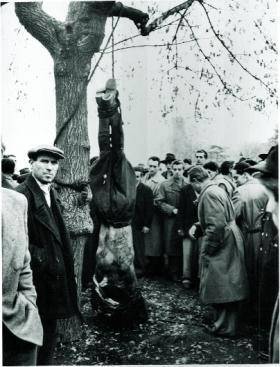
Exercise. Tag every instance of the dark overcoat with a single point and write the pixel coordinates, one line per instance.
(223, 271)
(187, 209)
(51, 254)
(143, 214)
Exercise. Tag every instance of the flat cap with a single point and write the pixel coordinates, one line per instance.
(46, 149)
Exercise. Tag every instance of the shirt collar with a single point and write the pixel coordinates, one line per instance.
(44, 187)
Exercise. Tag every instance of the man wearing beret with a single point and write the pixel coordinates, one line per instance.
(49, 244)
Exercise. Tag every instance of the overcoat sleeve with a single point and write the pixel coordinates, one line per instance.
(215, 222)
(237, 204)
(25, 285)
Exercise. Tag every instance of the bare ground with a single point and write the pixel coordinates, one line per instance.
(173, 335)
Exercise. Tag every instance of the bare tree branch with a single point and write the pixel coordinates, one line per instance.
(272, 92)
(197, 113)
(207, 58)
(38, 23)
(179, 24)
(139, 35)
(151, 45)
(157, 22)
(266, 39)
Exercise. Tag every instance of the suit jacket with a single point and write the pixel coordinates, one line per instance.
(19, 310)
(143, 214)
(51, 254)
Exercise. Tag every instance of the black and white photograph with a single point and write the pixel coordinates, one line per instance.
(139, 167)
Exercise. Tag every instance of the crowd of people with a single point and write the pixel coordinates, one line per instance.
(213, 228)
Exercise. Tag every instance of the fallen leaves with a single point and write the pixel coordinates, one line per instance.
(172, 335)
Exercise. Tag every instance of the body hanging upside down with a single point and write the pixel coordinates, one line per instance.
(115, 293)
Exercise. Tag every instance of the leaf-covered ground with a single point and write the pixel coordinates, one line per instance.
(173, 335)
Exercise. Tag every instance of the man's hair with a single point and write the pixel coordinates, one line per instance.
(154, 158)
(202, 151)
(198, 173)
(139, 169)
(250, 161)
(8, 166)
(226, 166)
(241, 167)
(187, 160)
(212, 166)
(177, 162)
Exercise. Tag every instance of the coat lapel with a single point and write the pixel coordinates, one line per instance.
(42, 212)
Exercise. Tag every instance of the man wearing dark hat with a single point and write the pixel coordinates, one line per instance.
(249, 202)
(50, 248)
(170, 157)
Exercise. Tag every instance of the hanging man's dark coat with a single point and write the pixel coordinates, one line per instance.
(51, 254)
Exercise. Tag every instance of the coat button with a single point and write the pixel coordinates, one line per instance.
(57, 260)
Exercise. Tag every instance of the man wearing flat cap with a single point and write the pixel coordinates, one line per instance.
(49, 245)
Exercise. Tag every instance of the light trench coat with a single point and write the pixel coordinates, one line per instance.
(223, 272)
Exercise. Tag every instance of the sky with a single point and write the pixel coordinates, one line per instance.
(146, 87)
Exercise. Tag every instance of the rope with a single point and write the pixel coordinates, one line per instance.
(79, 186)
(113, 51)
(65, 124)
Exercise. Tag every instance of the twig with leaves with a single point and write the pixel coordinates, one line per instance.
(217, 34)
(207, 58)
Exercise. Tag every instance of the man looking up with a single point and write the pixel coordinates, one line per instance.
(49, 245)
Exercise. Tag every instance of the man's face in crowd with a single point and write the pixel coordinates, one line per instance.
(169, 166)
(153, 167)
(178, 170)
(238, 178)
(138, 177)
(162, 167)
(200, 159)
(186, 166)
(45, 168)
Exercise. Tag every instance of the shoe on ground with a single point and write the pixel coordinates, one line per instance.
(212, 330)
(186, 283)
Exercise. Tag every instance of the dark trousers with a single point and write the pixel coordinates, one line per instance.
(46, 352)
(17, 352)
(154, 266)
(139, 250)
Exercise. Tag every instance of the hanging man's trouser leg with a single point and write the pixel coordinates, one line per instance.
(117, 132)
(104, 135)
